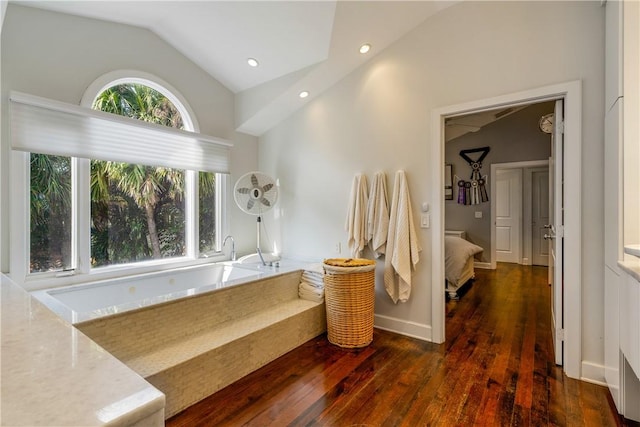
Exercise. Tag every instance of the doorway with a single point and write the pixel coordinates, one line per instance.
(507, 220)
(571, 93)
(532, 206)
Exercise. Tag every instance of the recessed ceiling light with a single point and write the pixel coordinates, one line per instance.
(365, 48)
(252, 62)
(303, 94)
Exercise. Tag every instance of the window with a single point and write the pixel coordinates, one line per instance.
(50, 209)
(137, 211)
(91, 211)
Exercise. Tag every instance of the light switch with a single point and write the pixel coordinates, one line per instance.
(478, 214)
(425, 220)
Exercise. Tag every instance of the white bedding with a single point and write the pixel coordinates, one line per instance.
(457, 254)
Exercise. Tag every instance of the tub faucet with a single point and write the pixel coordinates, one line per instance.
(233, 246)
(261, 257)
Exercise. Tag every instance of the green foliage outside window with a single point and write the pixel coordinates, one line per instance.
(50, 199)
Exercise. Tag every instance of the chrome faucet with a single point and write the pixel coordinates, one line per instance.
(233, 246)
(261, 257)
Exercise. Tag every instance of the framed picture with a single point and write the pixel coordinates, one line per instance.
(448, 181)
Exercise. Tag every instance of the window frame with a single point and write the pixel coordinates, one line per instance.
(81, 207)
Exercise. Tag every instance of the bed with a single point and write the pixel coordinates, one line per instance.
(458, 261)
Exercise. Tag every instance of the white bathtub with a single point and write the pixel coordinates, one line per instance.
(79, 303)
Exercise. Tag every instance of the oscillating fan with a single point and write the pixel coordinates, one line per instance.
(255, 193)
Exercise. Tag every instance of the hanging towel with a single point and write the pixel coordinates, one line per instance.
(356, 224)
(378, 215)
(402, 243)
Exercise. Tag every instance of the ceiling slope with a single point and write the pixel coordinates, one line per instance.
(378, 23)
(300, 45)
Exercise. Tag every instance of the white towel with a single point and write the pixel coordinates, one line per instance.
(378, 215)
(402, 243)
(313, 279)
(313, 273)
(310, 293)
(356, 224)
(317, 267)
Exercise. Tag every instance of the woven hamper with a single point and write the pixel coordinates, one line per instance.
(349, 292)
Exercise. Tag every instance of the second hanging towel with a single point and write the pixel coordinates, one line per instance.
(402, 251)
(378, 215)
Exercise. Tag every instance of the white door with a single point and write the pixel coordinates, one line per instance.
(555, 232)
(539, 216)
(508, 214)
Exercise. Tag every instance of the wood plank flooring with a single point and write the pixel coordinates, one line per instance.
(495, 369)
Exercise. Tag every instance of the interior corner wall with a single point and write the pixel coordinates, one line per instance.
(58, 56)
(514, 138)
(378, 119)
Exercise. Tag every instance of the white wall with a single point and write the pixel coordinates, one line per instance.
(58, 56)
(378, 117)
(3, 13)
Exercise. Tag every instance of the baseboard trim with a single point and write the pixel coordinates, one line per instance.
(482, 265)
(593, 373)
(403, 327)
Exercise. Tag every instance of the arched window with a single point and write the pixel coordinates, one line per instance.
(89, 215)
(138, 212)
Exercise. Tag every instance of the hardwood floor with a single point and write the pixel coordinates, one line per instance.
(496, 369)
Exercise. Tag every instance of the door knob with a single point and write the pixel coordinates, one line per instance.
(547, 226)
(548, 237)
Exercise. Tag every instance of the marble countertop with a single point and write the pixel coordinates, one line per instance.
(53, 375)
(631, 265)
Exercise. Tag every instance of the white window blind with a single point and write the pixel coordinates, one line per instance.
(45, 126)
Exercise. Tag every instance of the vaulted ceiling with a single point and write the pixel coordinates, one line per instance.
(299, 45)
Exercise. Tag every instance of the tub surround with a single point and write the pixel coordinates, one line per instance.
(52, 374)
(190, 347)
(83, 302)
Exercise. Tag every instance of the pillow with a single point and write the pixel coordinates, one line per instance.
(456, 253)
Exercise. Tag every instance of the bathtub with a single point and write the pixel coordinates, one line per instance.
(79, 303)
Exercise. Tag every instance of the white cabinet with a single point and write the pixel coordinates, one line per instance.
(628, 403)
(612, 333)
(622, 205)
(631, 124)
(629, 322)
(631, 392)
(613, 144)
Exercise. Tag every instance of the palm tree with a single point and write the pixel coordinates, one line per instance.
(147, 186)
(207, 211)
(50, 212)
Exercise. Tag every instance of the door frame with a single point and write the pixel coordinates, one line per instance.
(525, 207)
(571, 93)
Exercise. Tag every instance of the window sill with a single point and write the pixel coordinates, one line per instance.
(58, 279)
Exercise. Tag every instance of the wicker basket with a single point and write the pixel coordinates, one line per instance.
(349, 287)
